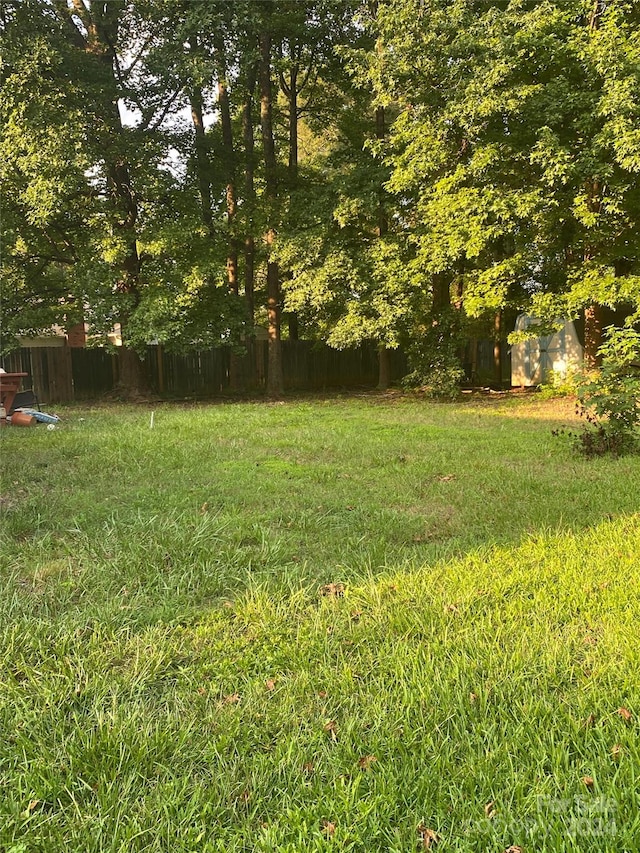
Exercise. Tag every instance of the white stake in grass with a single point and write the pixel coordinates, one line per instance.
(151, 424)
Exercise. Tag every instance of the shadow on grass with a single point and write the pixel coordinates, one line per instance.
(160, 523)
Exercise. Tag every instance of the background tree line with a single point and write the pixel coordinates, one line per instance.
(399, 171)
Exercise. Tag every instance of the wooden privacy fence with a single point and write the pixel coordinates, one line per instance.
(62, 374)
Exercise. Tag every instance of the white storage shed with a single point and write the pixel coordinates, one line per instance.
(533, 360)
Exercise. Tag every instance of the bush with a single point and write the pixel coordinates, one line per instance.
(560, 384)
(437, 381)
(434, 359)
(609, 399)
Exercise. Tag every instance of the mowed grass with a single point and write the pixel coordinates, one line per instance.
(371, 624)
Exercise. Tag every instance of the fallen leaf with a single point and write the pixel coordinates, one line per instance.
(590, 722)
(331, 727)
(322, 694)
(270, 684)
(513, 849)
(333, 590)
(616, 751)
(307, 767)
(202, 691)
(428, 837)
(328, 827)
(473, 697)
(356, 614)
(451, 608)
(627, 716)
(588, 781)
(231, 699)
(489, 810)
(366, 761)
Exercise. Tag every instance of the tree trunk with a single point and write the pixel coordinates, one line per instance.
(203, 167)
(249, 240)
(593, 313)
(275, 379)
(596, 13)
(592, 335)
(235, 361)
(497, 349)
(441, 294)
(384, 366)
(132, 380)
(293, 125)
(291, 91)
(473, 360)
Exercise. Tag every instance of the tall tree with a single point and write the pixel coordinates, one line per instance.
(350, 281)
(501, 152)
(94, 29)
(275, 379)
(137, 196)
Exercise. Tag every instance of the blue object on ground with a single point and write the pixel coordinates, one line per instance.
(43, 417)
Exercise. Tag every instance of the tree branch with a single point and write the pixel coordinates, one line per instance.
(64, 14)
(305, 79)
(147, 124)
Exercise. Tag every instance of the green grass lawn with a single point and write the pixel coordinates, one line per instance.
(370, 624)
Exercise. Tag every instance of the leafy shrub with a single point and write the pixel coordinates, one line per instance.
(434, 357)
(609, 399)
(614, 391)
(560, 384)
(599, 439)
(437, 381)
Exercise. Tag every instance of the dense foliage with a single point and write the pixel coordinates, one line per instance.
(362, 170)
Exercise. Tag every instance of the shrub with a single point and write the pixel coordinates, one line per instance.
(609, 399)
(434, 357)
(560, 384)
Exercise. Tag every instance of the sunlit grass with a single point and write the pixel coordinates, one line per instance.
(317, 626)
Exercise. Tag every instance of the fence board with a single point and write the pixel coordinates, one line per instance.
(60, 374)
(94, 372)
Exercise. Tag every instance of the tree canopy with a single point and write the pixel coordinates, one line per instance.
(365, 171)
